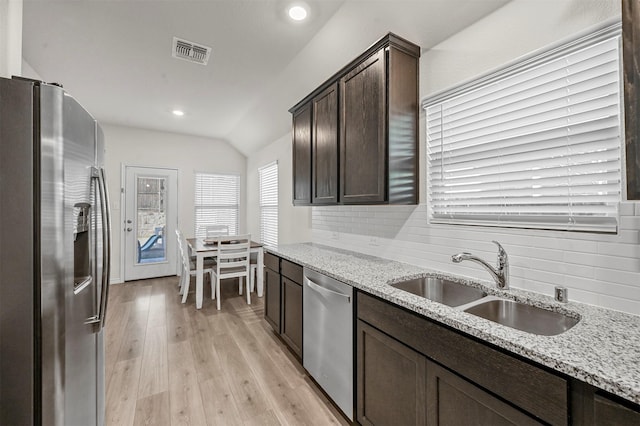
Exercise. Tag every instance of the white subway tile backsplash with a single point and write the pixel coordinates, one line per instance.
(607, 301)
(623, 250)
(630, 222)
(618, 277)
(600, 269)
(628, 264)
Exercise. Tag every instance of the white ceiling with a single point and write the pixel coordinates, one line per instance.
(114, 56)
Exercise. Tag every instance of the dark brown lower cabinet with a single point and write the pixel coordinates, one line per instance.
(272, 298)
(391, 380)
(283, 300)
(455, 401)
(609, 412)
(415, 371)
(291, 324)
(399, 386)
(437, 376)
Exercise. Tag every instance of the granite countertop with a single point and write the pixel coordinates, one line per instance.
(603, 349)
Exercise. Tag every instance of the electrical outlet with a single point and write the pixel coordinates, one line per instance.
(374, 241)
(561, 294)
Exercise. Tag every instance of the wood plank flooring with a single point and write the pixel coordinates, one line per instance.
(168, 363)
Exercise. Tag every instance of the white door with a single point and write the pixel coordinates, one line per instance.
(151, 218)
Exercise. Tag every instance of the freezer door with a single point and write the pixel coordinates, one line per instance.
(18, 349)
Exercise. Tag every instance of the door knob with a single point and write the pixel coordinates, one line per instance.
(129, 229)
(129, 221)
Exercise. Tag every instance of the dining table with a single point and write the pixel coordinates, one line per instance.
(202, 249)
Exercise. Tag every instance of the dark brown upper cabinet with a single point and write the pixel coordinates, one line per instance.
(363, 154)
(302, 156)
(631, 58)
(379, 127)
(324, 147)
(364, 138)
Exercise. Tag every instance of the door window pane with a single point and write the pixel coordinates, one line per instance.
(151, 219)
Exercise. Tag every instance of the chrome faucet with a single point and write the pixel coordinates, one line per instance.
(500, 275)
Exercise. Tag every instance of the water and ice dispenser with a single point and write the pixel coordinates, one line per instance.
(81, 246)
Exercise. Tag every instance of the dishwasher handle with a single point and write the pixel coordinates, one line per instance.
(325, 291)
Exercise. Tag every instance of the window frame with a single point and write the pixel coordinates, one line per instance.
(594, 221)
(234, 222)
(266, 237)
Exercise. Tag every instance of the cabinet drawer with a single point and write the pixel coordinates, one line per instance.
(292, 271)
(531, 388)
(608, 411)
(272, 262)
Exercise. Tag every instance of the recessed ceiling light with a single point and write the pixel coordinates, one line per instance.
(178, 112)
(297, 13)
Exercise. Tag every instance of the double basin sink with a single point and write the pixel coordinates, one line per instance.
(502, 311)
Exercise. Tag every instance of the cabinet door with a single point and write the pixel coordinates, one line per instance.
(272, 298)
(363, 156)
(292, 315)
(455, 401)
(608, 412)
(390, 380)
(302, 156)
(325, 147)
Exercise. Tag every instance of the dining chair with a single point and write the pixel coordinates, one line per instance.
(233, 262)
(188, 267)
(213, 231)
(179, 239)
(253, 270)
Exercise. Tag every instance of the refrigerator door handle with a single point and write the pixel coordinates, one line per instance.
(99, 319)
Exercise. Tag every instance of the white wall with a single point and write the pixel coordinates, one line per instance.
(189, 154)
(294, 223)
(29, 72)
(10, 38)
(518, 28)
(602, 270)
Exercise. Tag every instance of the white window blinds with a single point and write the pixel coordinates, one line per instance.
(533, 146)
(268, 176)
(217, 199)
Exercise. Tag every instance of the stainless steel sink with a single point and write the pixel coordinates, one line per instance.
(523, 317)
(441, 290)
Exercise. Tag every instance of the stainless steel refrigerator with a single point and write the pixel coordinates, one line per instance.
(54, 258)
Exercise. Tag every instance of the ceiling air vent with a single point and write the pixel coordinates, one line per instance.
(189, 51)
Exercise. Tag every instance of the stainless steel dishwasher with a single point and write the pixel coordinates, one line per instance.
(327, 339)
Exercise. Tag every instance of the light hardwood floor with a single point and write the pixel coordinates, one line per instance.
(168, 363)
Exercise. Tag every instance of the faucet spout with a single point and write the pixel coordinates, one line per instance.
(500, 274)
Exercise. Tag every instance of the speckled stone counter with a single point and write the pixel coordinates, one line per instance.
(603, 349)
